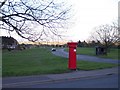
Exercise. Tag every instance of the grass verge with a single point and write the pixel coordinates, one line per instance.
(38, 61)
(86, 65)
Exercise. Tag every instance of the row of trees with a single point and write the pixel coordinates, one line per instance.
(108, 35)
(104, 35)
(94, 44)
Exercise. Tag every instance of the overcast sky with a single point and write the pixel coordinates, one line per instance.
(87, 14)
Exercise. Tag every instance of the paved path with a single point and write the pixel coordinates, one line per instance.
(61, 52)
(22, 81)
(108, 81)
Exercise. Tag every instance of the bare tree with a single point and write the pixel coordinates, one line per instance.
(22, 16)
(107, 34)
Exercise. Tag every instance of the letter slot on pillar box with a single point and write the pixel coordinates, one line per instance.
(72, 55)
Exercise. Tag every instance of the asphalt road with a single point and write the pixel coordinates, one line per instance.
(107, 81)
(62, 53)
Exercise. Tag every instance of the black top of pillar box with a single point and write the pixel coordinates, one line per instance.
(72, 44)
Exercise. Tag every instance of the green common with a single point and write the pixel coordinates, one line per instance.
(37, 61)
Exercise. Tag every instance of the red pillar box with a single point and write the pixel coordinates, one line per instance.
(72, 55)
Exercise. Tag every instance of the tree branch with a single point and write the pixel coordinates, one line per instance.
(2, 3)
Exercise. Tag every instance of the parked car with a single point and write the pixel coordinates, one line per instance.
(11, 47)
(53, 49)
